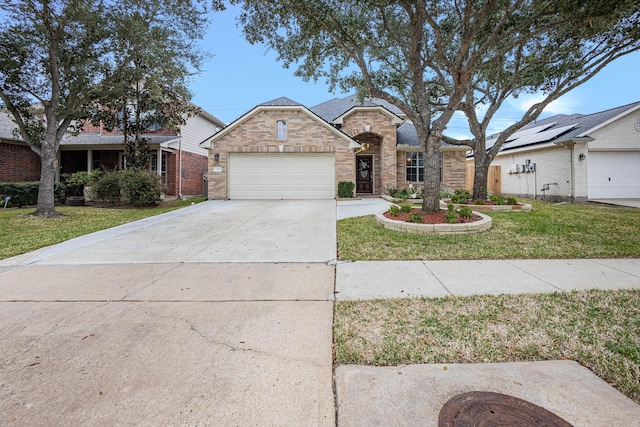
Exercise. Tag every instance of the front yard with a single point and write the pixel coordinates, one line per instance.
(599, 329)
(548, 231)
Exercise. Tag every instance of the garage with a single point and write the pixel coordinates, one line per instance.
(614, 174)
(282, 176)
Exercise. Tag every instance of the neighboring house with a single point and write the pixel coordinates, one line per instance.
(284, 150)
(574, 157)
(178, 159)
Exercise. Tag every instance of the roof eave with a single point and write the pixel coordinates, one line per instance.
(208, 142)
(397, 120)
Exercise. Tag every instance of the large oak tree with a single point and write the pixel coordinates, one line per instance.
(429, 58)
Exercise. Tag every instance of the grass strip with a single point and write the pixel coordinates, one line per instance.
(23, 232)
(548, 231)
(599, 329)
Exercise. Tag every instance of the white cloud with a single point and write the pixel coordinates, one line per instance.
(566, 104)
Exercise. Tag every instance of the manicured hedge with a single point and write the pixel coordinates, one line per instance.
(26, 193)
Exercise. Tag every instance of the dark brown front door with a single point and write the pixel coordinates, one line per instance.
(364, 174)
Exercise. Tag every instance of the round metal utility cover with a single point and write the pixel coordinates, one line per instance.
(486, 409)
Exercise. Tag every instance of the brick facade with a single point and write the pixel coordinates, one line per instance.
(306, 133)
(19, 163)
(379, 129)
(193, 166)
(454, 167)
(257, 134)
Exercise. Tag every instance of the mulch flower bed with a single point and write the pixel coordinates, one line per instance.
(430, 218)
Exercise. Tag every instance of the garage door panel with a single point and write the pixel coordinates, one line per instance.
(614, 175)
(281, 176)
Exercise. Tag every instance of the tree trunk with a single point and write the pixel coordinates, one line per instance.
(431, 197)
(480, 176)
(48, 167)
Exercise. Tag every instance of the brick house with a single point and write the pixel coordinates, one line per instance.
(284, 150)
(177, 158)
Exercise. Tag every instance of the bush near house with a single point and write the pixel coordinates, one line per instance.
(345, 189)
(140, 188)
(26, 193)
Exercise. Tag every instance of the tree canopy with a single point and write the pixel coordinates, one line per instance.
(431, 59)
(59, 58)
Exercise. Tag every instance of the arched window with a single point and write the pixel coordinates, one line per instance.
(281, 130)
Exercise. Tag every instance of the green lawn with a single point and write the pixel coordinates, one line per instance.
(548, 231)
(599, 329)
(22, 232)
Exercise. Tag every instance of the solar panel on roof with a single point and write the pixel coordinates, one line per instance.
(544, 136)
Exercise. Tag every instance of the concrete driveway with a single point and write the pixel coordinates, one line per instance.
(217, 314)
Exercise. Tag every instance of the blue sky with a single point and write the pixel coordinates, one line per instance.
(240, 76)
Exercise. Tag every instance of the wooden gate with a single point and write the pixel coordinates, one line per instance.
(494, 180)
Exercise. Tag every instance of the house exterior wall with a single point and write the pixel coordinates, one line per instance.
(553, 166)
(620, 135)
(454, 167)
(196, 130)
(19, 163)
(381, 124)
(193, 166)
(257, 134)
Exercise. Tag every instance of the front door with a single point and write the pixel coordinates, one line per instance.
(364, 174)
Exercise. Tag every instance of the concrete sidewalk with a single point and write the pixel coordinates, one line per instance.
(398, 279)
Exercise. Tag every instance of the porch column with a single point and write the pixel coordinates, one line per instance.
(159, 161)
(89, 160)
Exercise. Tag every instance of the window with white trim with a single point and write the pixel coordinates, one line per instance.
(281, 130)
(415, 167)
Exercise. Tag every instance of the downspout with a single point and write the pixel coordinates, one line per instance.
(180, 168)
(573, 178)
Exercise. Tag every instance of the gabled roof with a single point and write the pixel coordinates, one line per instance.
(7, 126)
(278, 104)
(281, 102)
(563, 128)
(336, 108)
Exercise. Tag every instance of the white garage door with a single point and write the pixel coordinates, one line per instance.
(614, 175)
(281, 176)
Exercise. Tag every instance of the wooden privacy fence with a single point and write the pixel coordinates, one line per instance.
(494, 182)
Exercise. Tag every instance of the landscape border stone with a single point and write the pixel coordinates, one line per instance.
(484, 224)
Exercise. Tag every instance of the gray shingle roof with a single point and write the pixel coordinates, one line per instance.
(331, 110)
(104, 139)
(281, 102)
(559, 128)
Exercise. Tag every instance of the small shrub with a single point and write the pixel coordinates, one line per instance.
(498, 200)
(108, 188)
(393, 210)
(445, 193)
(460, 196)
(465, 212)
(392, 191)
(451, 216)
(345, 189)
(451, 208)
(405, 208)
(142, 188)
(76, 181)
(414, 217)
(404, 194)
(511, 201)
(479, 202)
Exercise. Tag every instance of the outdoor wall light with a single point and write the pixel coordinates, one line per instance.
(216, 157)
(581, 156)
